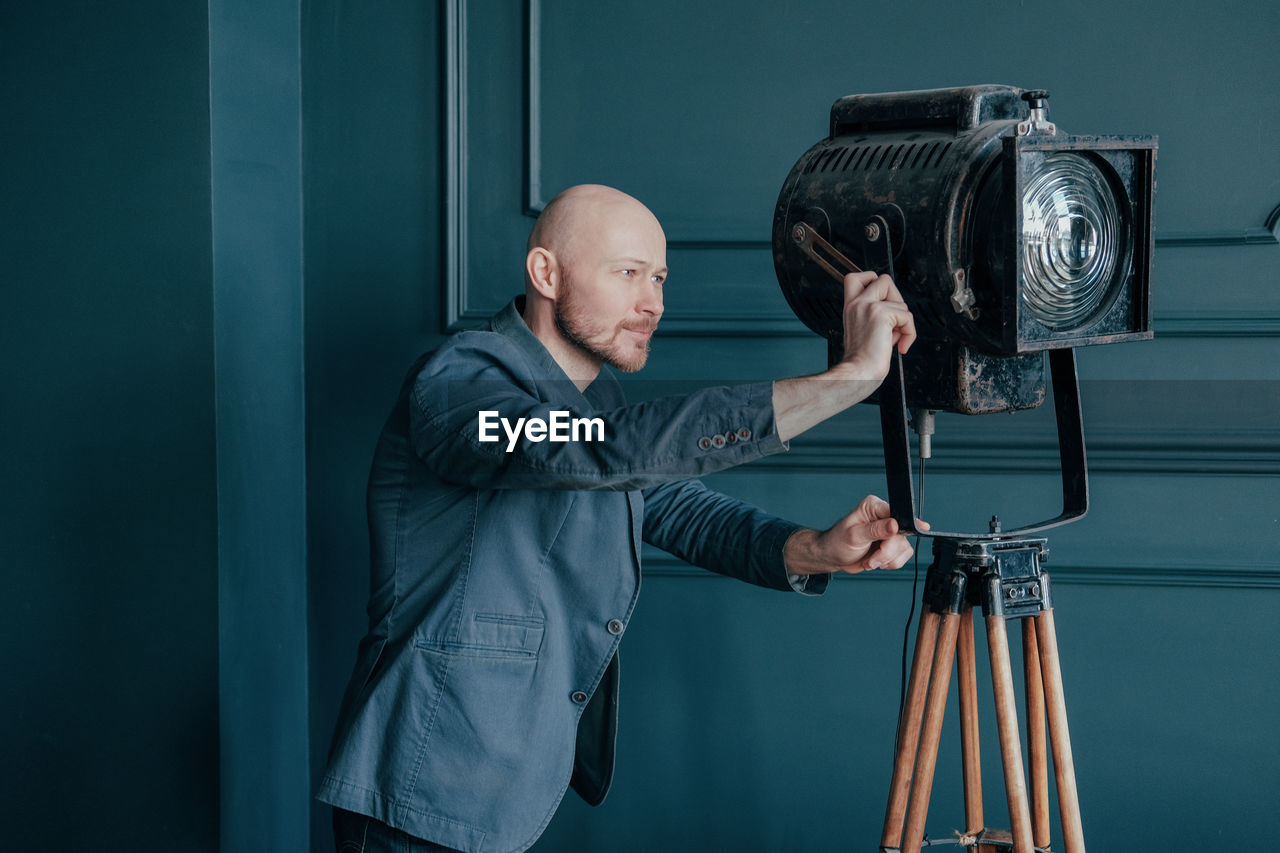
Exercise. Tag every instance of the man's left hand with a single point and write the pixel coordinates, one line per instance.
(865, 539)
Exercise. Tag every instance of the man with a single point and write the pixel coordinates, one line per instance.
(506, 564)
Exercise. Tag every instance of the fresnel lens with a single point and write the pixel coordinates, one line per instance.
(1075, 246)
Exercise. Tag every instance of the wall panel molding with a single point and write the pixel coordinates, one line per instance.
(256, 183)
(455, 213)
(660, 565)
(535, 195)
(1226, 324)
(1267, 235)
(1241, 453)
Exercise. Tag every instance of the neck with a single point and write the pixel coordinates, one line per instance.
(582, 368)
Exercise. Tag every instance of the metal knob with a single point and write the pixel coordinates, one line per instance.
(1035, 98)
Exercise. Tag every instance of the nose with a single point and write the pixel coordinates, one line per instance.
(650, 301)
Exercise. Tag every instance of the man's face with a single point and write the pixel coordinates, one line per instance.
(611, 289)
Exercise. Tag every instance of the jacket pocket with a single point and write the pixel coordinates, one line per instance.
(495, 635)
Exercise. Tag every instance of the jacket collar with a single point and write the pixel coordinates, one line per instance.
(510, 323)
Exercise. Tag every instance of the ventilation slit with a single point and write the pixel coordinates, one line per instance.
(933, 149)
(942, 154)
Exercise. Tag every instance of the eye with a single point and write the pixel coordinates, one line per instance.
(626, 273)
(657, 279)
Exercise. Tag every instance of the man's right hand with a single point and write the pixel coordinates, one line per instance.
(876, 321)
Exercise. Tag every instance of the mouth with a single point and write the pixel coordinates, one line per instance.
(644, 331)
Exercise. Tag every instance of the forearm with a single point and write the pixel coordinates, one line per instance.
(876, 322)
(806, 401)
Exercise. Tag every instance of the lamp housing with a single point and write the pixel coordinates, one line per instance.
(1006, 237)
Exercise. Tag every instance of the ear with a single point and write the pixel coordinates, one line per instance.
(543, 272)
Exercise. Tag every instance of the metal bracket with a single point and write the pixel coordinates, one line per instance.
(823, 253)
(1071, 451)
(962, 298)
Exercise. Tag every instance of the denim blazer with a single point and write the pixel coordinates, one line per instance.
(502, 582)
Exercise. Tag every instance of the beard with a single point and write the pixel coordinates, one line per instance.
(597, 340)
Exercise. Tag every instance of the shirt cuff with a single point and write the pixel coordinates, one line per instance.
(803, 584)
(809, 584)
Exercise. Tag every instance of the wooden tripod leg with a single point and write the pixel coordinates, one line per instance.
(1037, 752)
(927, 755)
(1007, 724)
(904, 755)
(1063, 767)
(969, 750)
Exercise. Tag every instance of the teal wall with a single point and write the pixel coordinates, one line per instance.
(108, 524)
(229, 227)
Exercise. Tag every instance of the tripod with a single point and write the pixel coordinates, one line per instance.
(1004, 578)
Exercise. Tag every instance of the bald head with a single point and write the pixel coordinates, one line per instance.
(584, 217)
(594, 270)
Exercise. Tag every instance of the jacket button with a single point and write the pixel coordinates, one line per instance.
(615, 626)
(719, 441)
(704, 443)
(744, 433)
(578, 697)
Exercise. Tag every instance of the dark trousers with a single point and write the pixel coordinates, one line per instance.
(357, 833)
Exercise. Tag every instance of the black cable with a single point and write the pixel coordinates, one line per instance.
(906, 631)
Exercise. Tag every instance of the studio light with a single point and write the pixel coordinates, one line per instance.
(1012, 244)
(1005, 236)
